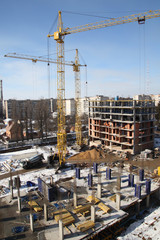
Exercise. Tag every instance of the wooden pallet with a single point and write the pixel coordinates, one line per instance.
(69, 220)
(81, 209)
(104, 207)
(65, 215)
(113, 198)
(35, 206)
(85, 226)
(93, 199)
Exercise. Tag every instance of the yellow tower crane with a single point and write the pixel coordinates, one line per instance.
(78, 124)
(59, 37)
(76, 68)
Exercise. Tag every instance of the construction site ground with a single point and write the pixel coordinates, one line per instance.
(87, 158)
(9, 217)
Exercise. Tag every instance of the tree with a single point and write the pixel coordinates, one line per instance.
(42, 116)
(15, 117)
(28, 118)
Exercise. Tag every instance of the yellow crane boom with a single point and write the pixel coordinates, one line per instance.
(107, 23)
(59, 37)
(40, 59)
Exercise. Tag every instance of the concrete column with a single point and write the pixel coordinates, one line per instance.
(93, 213)
(75, 199)
(118, 183)
(51, 181)
(45, 212)
(11, 190)
(118, 201)
(61, 230)
(148, 200)
(99, 190)
(18, 186)
(31, 222)
(19, 204)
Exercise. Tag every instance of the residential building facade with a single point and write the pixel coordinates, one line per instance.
(70, 106)
(13, 107)
(156, 97)
(123, 125)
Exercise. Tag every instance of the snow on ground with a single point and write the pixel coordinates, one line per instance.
(33, 177)
(147, 228)
(14, 160)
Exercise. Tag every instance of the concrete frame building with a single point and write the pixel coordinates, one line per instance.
(122, 125)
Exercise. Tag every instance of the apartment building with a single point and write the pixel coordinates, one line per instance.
(122, 125)
(18, 107)
(70, 107)
(156, 97)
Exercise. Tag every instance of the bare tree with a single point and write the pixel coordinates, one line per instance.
(28, 118)
(42, 116)
(15, 117)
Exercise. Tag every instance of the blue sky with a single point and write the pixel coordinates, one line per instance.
(121, 60)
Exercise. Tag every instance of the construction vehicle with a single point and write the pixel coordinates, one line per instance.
(59, 37)
(32, 162)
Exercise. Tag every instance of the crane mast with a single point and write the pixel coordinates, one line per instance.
(78, 124)
(59, 37)
(61, 133)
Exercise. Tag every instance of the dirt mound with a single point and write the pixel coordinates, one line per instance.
(87, 155)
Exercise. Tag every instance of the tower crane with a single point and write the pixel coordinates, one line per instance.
(59, 37)
(78, 124)
(76, 68)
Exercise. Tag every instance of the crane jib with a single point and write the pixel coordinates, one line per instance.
(111, 22)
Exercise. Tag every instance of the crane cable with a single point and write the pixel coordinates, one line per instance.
(142, 58)
(48, 54)
(49, 73)
(86, 14)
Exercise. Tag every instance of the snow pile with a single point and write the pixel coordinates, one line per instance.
(14, 159)
(147, 228)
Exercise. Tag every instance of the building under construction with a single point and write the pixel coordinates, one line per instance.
(122, 124)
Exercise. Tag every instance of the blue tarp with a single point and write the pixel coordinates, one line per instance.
(35, 217)
(25, 198)
(30, 184)
(18, 229)
(58, 206)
